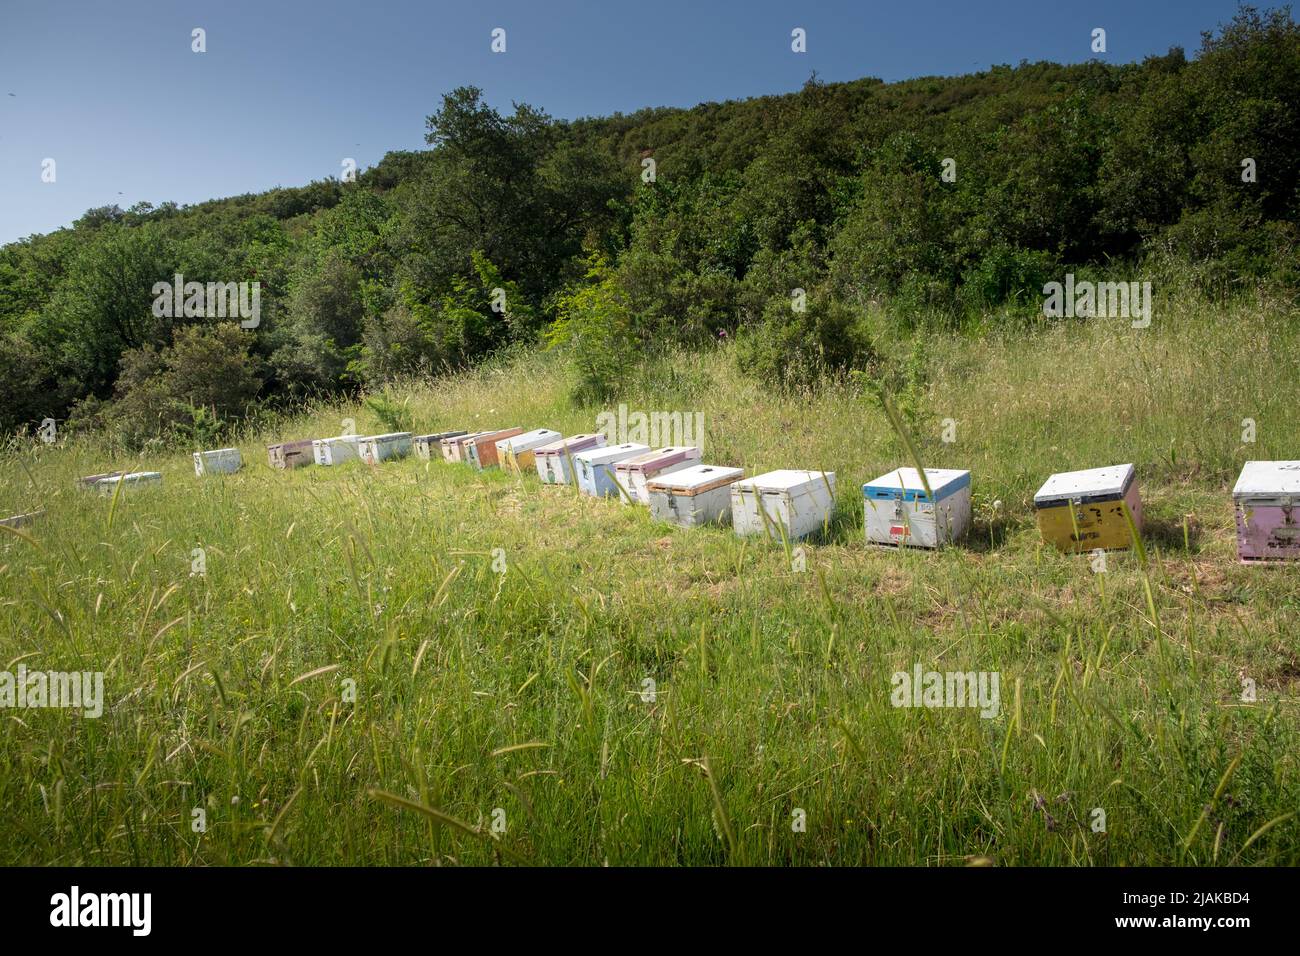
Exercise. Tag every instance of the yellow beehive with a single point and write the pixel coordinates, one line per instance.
(517, 454)
(1084, 510)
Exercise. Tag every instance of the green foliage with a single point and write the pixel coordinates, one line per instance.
(190, 391)
(593, 326)
(395, 416)
(938, 201)
(793, 349)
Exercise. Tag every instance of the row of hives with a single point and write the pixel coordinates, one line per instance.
(1098, 508)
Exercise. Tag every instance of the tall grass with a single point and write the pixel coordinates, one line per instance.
(508, 717)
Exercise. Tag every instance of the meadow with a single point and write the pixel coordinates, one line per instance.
(352, 680)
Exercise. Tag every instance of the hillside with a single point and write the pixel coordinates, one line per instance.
(417, 663)
(950, 201)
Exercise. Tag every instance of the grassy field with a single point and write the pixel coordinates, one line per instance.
(519, 699)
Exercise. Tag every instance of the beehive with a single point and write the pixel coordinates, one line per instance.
(90, 481)
(336, 450)
(634, 473)
(426, 446)
(22, 520)
(790, 503)
(595, 467)
(1267, 499)
(481, 451)
(392, 445)
(290, 454)
(453, 447)
(517, 454)
(136, 479)
(897, 509)
(552, 460)
(1084, 510)
(694, 496)
(222, 461)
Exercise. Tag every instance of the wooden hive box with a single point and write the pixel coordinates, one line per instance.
(391, 445)
(518, 453)
(336, 450)
(595, 467)
(553, 460)
(481, 451)
(90, 481)
(453, 447)
(789, 501)
(290, 454)
(1084, 510)
(222, 461)
(1267, 497)
(136, 479)
(694, 496)
(634, 473)
(22, 520)
(426, 446)
(898, 510)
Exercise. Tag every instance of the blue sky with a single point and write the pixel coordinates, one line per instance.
(287, 88)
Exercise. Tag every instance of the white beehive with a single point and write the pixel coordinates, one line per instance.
(222, 461)
(136, 479)
(373, 449)
(336, 450)
(634, 473)
(428, 446)
(92, 481)
(694, 496)
(596, 468)
(790, 502)
(453, 447)
(22, 520)
(552, 460)
(898, 510)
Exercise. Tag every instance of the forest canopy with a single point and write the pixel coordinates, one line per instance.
(946, 201)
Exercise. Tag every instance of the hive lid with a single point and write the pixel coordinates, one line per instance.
(1268, 479)
(388, 436)
(336, 438)
(696, 478)
(612, 453)
(572, 443)
(462, 438)
(217, 451)
(529, 440)
(905, 484)
(787, 480)
(483, 438)
(658, 458)
(1091, 484)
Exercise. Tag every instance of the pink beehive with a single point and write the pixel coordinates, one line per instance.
(1267, 499)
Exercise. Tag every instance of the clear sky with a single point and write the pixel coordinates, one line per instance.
(111, 90)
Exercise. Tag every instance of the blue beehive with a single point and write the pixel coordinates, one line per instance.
(595, 467)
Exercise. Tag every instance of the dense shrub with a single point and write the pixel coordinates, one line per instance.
(594, 327)
(191, 391)
(790, 348)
